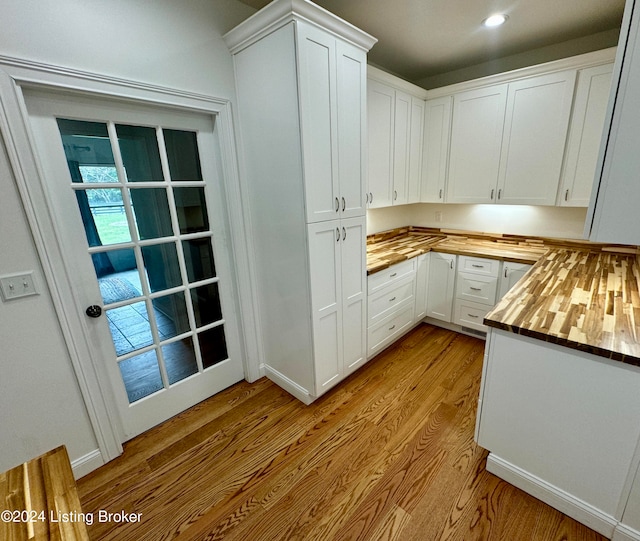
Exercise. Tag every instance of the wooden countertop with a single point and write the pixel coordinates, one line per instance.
(585, 300)
(44, 490)
(578, 294)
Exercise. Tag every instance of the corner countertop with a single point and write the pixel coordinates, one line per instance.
(578, 294)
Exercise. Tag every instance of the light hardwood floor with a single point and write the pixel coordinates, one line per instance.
(387, 455)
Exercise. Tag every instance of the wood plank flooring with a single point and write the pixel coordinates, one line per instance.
(387, 455)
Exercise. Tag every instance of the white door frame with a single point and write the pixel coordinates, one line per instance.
(16, 74)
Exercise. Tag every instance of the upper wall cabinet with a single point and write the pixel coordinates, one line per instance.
(507, 141)
(585, 134)
(613, 213)
(435, 155)
(395, 132)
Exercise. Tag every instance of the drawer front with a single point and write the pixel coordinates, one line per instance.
(476, 288)
(389, 329)
(388, 276)
(479, 265)
(470, 314)
(387, 299)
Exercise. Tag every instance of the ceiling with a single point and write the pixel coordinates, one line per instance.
(420, 40)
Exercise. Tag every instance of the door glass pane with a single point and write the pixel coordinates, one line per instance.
(151, 208)
(213, 346)
(88, 151)
(206, 304)
(180, 359)
(130, 328)
(103, 216)
(141, 375)
(192, 210)
(161, 266)
(182, 154)
(171, 315)
(198, 256)
(140, 153)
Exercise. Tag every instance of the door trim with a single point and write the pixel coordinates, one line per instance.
(17, 74)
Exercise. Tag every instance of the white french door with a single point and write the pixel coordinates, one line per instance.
(137, 199)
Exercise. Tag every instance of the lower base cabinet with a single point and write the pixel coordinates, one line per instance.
(563, 426)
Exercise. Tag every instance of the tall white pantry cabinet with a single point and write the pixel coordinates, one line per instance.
(301, 88)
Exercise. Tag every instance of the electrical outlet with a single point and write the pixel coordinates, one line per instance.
(14, 286)
(438, 216)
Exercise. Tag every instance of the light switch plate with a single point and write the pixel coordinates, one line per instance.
(15, 286)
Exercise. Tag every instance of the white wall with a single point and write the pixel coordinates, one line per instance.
(556, 222)
(175, 43)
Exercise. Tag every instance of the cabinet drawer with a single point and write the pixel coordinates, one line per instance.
(386, 331)
(388, 276)
(387, 299)
(479, 265)
(470, 314)
(476, 288)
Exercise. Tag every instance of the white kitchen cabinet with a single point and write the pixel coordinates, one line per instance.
(507, 141)
(476, 141)
(510, 275)
(533, 142)
(585, 135)
(301, 115)
(338, 299)
(476, 286)
(440, 286)
(613, 211)
(422, 280)
(435, 156)
(395, 130)
(391, 304)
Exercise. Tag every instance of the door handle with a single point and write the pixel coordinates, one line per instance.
(93, 311)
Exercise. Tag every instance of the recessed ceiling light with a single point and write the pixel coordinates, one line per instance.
(495, 20)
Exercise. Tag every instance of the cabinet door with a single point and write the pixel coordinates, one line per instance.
(535, 133)
(585, 134)
(326, 299)
(442, 273)
(416, 145)
(380, 126)
(511, 274)
(476, 138)
(435, 154)
(354, 293)
(401, 139)
(352, 136)
(317, 68)
(422, 279)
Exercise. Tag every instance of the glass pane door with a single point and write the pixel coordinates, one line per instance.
(141, 196)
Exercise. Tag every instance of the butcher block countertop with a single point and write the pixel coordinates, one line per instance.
(578, 294)
(585, 300)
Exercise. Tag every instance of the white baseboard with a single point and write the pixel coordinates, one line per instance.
(87, 463)
(624, 533)
(558, 499)
(292, 388)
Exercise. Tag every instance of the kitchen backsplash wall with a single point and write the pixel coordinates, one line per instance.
(558, 222)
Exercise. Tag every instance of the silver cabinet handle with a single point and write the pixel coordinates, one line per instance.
(471, 315)
(506, 270)
(476, 266)
(344, 204)
(566, 195)
(371, 196)
(344, 233)
(337, 234)
(337, 205)
(392, 275)
(392, 327)
(451, 264)
(492, 191)
(440, 194)
(475, 288)
(392, 299)
(395, 194)
(499, 193)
